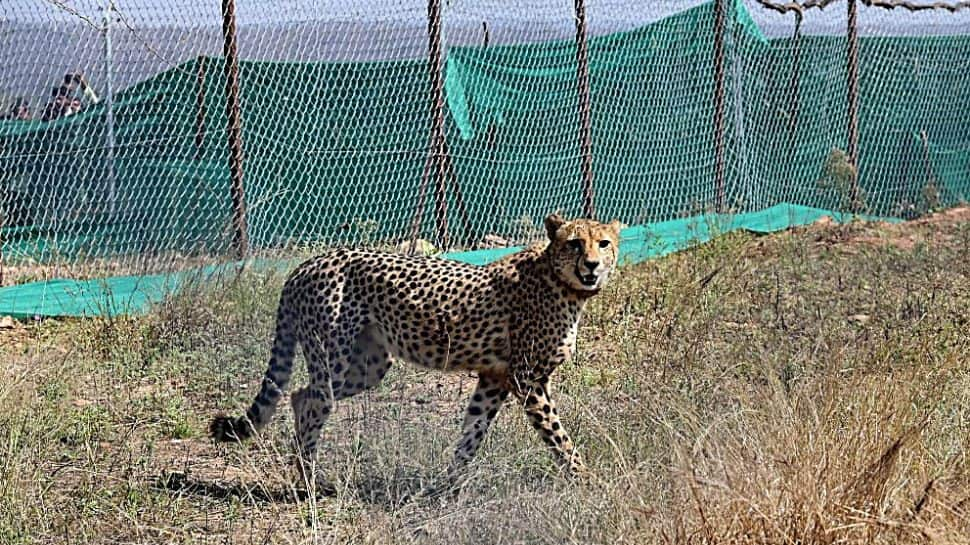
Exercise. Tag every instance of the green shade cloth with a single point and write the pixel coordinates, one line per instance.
(136, 294)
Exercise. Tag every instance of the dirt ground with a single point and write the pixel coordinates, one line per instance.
(938, 228)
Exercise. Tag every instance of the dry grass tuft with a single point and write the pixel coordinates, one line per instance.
(843, 461)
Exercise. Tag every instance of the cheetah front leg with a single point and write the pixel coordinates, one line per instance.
(484, 405)
(541, 410)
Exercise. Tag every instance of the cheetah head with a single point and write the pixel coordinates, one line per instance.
(582, 252)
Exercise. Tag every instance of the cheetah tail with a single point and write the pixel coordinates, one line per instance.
(228, 429)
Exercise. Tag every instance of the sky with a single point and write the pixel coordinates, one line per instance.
(604, 15)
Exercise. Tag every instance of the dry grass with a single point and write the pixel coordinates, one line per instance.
(809, 387)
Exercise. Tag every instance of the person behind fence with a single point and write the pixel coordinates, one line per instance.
(58, 104)
(19, 111)
(64, 100)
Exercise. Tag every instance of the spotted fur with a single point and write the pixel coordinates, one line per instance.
(512, 322)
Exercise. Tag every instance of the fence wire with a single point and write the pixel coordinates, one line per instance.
(116, 155)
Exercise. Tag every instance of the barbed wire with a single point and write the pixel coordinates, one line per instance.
(801, 7)
(789, 7)
(144, 42)
(60, 4)
(912, 6)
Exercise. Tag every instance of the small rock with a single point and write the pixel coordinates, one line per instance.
(494, 241)
(421, 247)
(6, 322)
(859, 318)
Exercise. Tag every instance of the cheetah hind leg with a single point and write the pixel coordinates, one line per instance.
(364, 369)
(304, 414)
(312, 406)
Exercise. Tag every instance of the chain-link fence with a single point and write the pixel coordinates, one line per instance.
(461, 121)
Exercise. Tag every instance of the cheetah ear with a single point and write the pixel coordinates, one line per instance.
(553, 222)
(616, 226)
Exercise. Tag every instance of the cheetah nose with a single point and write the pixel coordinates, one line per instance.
(591, 265)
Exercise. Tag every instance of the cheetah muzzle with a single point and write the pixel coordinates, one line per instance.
(513, 322)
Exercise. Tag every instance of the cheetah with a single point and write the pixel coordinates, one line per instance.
(512, 322)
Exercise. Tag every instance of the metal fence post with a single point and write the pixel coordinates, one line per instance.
(852, 102)
(585, 131)
(437, 119)
(719, 26)
(491, 145)
(109, 117)
(234, 127)
(795, 98)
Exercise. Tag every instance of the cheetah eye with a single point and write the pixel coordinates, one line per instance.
(574, 244)
(604, 243)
